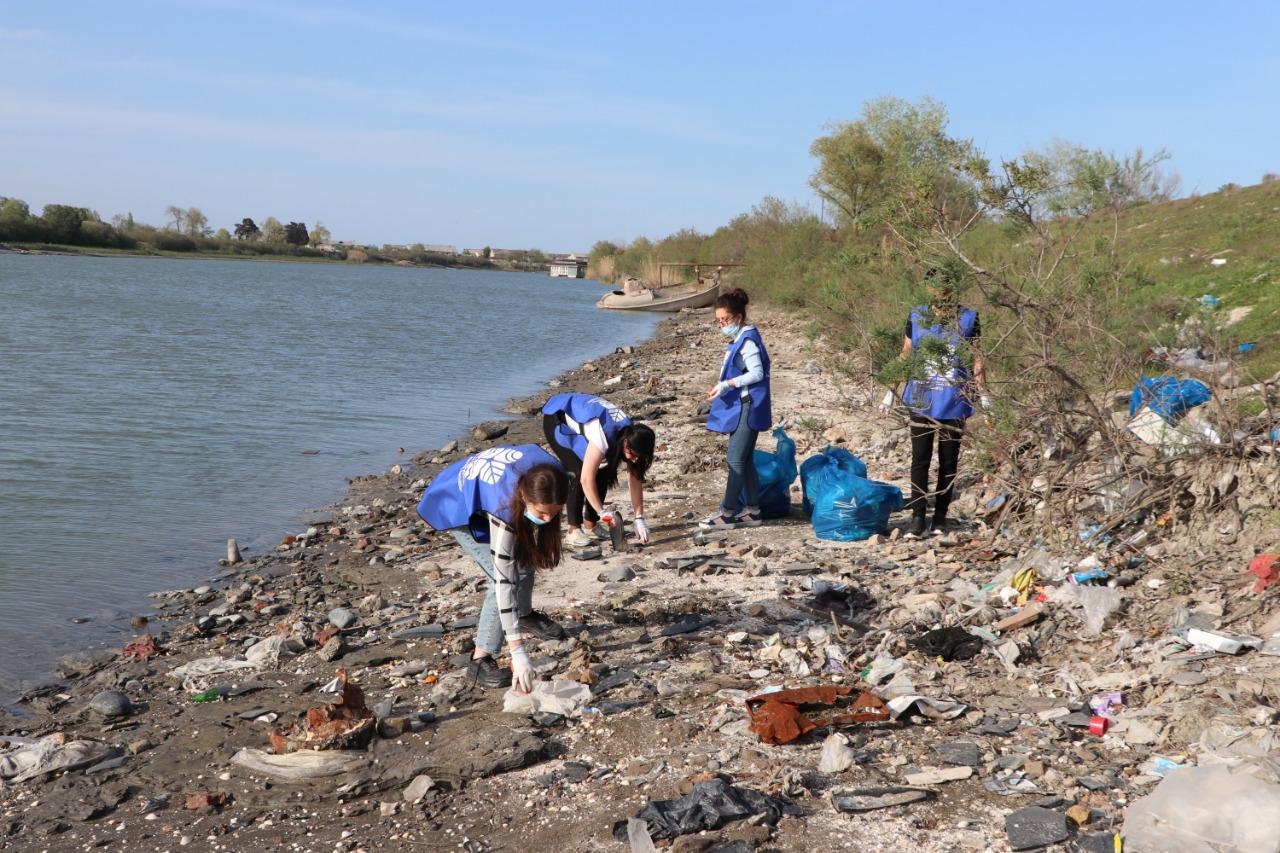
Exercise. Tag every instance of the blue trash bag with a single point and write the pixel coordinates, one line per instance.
(851, 508)
(776, 472)
(832, 463)
(1168, 397)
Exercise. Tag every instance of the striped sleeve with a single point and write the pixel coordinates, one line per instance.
(502, 547)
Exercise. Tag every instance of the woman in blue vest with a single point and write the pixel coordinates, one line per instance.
(591, 434)
(740, 407)
(503, 506)
(944, 335)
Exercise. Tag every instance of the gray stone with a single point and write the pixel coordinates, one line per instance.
(621, 574)
(409, 668)
(590, 553)
(419, 632)
(960, 752)
(335, 648)
(111, 703)
(417, 789)
(1033, 826)
(342, 618)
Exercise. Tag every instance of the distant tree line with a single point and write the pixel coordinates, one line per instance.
(186, 229)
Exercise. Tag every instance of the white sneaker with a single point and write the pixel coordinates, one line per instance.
(748, 517)
(580, 538)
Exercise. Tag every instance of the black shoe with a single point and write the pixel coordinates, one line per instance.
(540, 625)
(918, 526)
(486, 673)
(940, 524)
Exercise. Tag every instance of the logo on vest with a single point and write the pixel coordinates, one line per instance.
(489, 465)
(615, 414)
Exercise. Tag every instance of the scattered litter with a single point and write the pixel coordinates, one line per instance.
(1224, 642)
(142, 648)
(566, 698)
(301, 766)
(1009, 782)
(937, 775)
(1206, 808)
(934, 709)
(779, 717)
(1266, 568)
(837, 755)
(345, 724)
(22, 759)
(870, 799)
(710, 805)
(950, 644)
(192, 674)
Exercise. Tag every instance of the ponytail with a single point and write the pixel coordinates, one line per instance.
(735, 302)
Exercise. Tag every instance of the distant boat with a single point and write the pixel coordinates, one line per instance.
(637, 297)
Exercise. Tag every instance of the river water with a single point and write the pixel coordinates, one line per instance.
(150, 409)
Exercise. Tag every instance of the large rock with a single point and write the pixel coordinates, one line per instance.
(1034, 827)
(111, 703)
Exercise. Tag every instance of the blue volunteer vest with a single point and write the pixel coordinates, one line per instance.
(726, 409)
(941, 396)
(584, 408)
(483, 483)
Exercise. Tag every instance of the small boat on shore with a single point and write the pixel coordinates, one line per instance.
(635, 296)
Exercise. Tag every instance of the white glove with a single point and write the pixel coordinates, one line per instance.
(642, 529)
(984, 402)
(887, 403)
(521, 670)
(611, 516)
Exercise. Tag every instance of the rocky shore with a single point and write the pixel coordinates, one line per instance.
(312, 698)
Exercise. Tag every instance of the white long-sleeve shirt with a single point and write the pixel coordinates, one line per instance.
(750, 362)
(502, 547)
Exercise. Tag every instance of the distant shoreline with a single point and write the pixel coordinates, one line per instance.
(96, 252)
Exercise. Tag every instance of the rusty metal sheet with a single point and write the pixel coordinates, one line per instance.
(781, 717)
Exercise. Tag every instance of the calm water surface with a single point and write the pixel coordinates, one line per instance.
(150, 409)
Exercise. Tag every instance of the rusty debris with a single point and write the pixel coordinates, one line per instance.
(142, 648)
(781, 717)
(209, 801)
(344, 724)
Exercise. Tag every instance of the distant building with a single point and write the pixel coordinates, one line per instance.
(439, 249)
(570, 266)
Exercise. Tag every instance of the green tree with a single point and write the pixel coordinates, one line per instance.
(295, 233)
(14, 210)
(247, 229)
(896, 154)
(223, 236)
(196, 223)
(604, 249)
(320, 235)
(486, 252)
(123, 223)
(272, 230)
(174, 217)
(1077, 181)
(63, 221)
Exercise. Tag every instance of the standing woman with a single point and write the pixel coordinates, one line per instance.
(503, 506)
(740, 407)
(593, 435)
(944, 336)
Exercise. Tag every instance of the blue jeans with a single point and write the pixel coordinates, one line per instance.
(742, 467)
(489, 633)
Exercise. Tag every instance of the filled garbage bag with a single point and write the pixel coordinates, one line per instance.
(1168, 397)
(776, 472)
(848, 507)
(710, 805)
(834, 464)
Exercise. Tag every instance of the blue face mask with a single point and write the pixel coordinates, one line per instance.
(730, 331)
(534, 518)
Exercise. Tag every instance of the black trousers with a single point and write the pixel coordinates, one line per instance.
(923, 433)
(577, 505)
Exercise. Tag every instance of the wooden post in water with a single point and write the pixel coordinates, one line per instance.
(233, 553)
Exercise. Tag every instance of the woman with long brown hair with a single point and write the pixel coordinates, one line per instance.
(503, 507)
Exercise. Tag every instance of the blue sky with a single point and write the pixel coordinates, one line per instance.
(554, 125)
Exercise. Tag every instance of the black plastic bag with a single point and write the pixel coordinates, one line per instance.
(710, 805)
